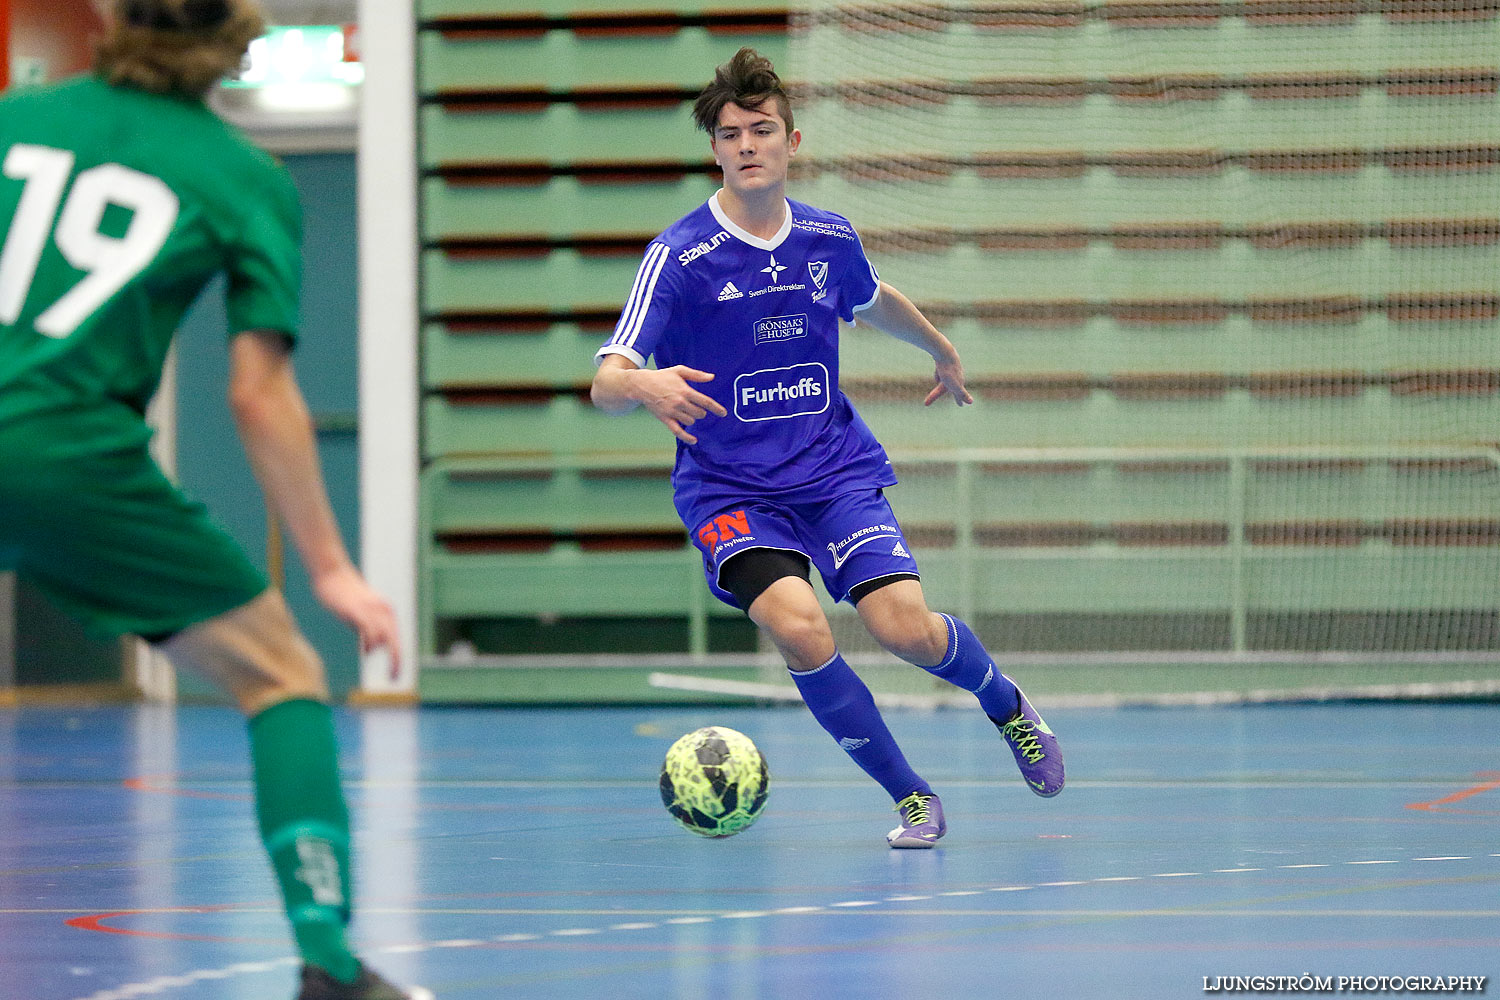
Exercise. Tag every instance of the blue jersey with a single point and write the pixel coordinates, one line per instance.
(763, 317)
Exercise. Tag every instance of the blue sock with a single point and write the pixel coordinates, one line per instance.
(968, 666)
(843, 705)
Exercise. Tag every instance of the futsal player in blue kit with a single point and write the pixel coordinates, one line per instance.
(739, 301)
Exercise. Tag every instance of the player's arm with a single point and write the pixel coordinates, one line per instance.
(620, 385)
(893, 313)
(276, 429)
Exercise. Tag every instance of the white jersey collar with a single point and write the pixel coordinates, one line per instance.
(748, 237)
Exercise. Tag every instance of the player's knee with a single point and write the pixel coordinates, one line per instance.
(254, 652)
(801, 633)
(806, 634)
(913, 647)
(909, 631)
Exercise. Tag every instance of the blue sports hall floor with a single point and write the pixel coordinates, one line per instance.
(525, 853)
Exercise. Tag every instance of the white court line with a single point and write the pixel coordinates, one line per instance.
(162, 984)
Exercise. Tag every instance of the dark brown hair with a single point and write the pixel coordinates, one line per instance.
(177, 46)
(748, 80)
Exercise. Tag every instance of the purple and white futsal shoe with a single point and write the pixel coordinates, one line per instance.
(1035, 748)
(921, 822)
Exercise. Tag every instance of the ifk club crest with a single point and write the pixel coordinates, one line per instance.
(818, 269)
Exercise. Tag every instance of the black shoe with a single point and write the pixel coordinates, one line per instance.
(319, 985)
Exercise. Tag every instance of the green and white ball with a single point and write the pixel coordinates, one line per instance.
(714, 781)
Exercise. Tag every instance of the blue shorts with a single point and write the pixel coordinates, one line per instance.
(851, 539)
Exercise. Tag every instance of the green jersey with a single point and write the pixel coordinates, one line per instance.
(118, 207)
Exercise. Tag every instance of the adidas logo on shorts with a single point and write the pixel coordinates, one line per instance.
(730, 292)
(900, 552)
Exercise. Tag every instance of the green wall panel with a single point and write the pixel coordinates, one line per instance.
(560, 280)
(564, 424)
(563, 133)
(560, 207)
(558, 354)
(561, 61)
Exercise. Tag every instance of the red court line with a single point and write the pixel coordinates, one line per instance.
(147, 783)
(95, 922)
(1436, 804)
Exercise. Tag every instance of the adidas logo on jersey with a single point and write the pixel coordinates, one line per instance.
(730, 292)
(900, 552)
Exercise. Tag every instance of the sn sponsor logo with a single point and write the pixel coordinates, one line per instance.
(723, 528)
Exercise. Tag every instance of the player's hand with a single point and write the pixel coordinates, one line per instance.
(670, 398)
(949, 376)
(345, 593)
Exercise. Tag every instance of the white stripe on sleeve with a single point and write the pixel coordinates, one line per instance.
(640, 294)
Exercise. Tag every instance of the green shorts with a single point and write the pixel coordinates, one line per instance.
(90, 520)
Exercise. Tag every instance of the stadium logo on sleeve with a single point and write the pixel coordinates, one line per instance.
(774, 329)
(779, 393)
(692, 253)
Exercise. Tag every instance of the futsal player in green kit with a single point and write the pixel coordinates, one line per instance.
(121, 196)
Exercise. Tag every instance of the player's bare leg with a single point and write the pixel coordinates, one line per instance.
(257, 654)
(896, 616)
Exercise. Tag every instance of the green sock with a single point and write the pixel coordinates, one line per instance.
(305, 827)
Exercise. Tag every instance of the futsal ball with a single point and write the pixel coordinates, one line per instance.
(714, 782)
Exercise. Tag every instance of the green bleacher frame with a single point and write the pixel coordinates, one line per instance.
(1246, 370)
